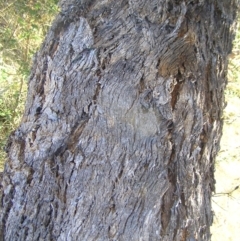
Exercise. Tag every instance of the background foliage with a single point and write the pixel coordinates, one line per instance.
(23, 25)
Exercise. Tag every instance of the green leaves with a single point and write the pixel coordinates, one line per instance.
(23, 25)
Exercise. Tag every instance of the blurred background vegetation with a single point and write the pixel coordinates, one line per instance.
(226, 201)
(23, 25)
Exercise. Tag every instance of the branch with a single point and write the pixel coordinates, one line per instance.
(225, 193)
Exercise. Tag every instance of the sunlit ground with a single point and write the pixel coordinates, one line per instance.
(227, 206)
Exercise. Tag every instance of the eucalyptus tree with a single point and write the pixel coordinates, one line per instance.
(122, 123)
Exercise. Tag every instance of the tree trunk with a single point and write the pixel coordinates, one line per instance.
(122, 124)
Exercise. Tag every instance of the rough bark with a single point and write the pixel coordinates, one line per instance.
(122, 124)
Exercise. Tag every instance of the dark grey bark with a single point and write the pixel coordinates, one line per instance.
(122, 124)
